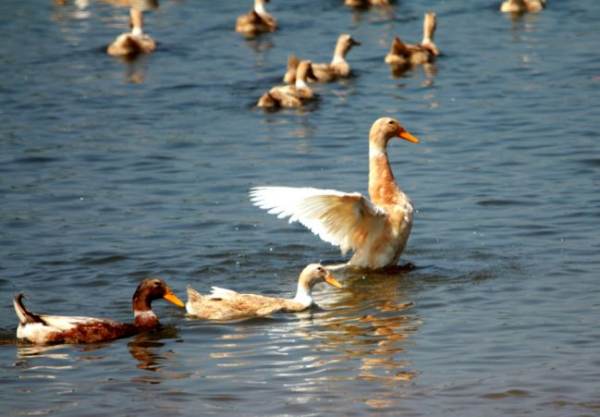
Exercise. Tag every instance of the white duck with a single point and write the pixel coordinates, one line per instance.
(376, 230)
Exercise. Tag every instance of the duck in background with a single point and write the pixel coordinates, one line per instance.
(327, 72)
(257, 21)
(402, 55)
(522, 6)
(363, 4)
(376, 230)
(130, 44)
(291, 95)
(226, 305)
(44, 329)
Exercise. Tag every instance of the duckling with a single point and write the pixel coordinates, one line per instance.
(47, 329)
(522, 6)
(224, 304)
(257, 21)
(337, 68)
(291, 95)
(402, 54)
(135, 42)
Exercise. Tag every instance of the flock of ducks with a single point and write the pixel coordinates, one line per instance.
(375, 229)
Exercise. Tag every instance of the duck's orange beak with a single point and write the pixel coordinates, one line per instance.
(330, 279)
(172, 298)
(407, 136)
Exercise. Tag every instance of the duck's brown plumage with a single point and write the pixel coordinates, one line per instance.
(326, 72)
(227, 305)
(522, 6)
(291, 95)
(256, 21)
(405, 55)
(51, 329)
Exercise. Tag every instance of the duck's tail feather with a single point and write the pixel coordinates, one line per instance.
(24, 315)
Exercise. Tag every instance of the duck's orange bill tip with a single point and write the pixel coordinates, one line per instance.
(407, 136)
(332, 281)
(172, 298)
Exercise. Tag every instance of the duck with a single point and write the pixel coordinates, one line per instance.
(405, 55)
(522, 6)
(327, 72)
(133, 43)
(42, 329)
(227, 305)
(257, 21)
(376, 230)
(291, 95)
(362, 4)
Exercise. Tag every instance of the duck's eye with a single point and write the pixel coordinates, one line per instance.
(391, 122)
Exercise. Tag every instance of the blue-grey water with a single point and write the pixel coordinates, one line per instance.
(113, 171)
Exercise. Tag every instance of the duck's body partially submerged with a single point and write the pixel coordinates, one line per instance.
(376, 230)
(227, 305)
(522, 6)
(405, 55)
(327, 72)
(291, 95)
(130, 44)
(257, 21)
(49, 329)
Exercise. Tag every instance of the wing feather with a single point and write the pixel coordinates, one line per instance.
(341, 219)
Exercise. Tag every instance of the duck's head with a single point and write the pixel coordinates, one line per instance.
(314, 274)
(386, 128)
(345, 42)
(152, 289)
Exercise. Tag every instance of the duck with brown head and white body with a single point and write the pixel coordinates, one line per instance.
(376, 230)
(257, 21)
(224, 304)
(522, 6)
(327, 72)
(405, 55)
(136, 42)
(291, 95)
(45, 329)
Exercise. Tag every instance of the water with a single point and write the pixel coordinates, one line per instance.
(111, 172)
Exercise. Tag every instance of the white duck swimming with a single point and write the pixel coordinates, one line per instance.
(376, 230)
(226, 305)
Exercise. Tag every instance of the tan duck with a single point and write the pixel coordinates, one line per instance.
(47, 329)
(327, 72)
(376, 230)
(257, 21)
(223, 304)
(405, 55)
(132, 43)
(291, 95)
(522, 6)
(361, 4)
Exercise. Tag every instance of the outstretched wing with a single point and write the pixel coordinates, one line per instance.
(342, 219)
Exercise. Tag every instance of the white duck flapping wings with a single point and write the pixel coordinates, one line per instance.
(376, 230)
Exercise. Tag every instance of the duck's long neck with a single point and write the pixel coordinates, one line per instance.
(259, 7)
(428, 29)
(339, 54)
(143, 314)
(382, 184)
(302, 76)
(303, 295)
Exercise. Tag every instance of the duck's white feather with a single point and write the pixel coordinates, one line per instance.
(222, 293)
(342, 219)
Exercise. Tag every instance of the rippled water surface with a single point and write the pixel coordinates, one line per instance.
(113, 171)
